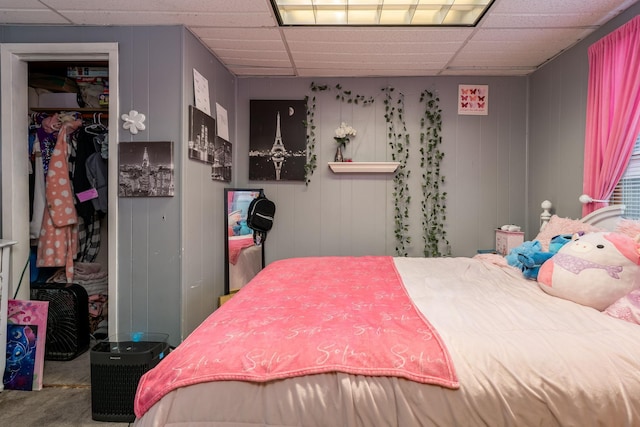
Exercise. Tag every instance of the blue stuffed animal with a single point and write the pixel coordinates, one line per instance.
(528, 247)
(529, 256)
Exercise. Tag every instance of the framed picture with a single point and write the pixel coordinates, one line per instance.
(277, 140)
(146, 169)
(202, 135)
(26, 334)
(221, 167)
(473, 100)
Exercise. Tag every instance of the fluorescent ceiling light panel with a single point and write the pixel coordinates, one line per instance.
(450, 13)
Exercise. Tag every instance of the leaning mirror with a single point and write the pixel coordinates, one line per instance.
(243, 259)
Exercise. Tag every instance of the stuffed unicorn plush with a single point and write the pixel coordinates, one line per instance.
(594, 270)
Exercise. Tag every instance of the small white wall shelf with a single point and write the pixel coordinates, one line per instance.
(363, 167)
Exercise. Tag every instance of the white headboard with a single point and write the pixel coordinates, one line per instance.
(605, 218)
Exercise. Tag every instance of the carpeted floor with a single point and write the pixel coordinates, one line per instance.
(64, 401)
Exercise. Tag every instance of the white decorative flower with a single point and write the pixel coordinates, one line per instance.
(133, 121)
(343, 133)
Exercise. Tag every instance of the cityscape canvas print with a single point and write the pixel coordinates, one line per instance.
(277, 140)
(146, 169)
(202, 135)
(222, 160)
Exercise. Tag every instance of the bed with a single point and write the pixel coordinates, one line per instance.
(418, 342)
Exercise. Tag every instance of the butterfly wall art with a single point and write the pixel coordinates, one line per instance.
(473, 99)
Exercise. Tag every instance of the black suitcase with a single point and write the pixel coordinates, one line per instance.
(68, 333)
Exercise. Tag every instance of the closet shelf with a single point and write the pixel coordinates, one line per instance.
(363, 167)
(79, 110)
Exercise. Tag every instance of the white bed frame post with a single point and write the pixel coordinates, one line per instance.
(545, 216)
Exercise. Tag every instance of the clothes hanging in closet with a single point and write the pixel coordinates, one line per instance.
(83, 141)
(58, 242)
(86, 145)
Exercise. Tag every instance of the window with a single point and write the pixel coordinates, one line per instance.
(627, 192)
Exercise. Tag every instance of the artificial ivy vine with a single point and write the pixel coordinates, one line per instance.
(341, 95)
(312, 162)
(434, 202)
(398, 140)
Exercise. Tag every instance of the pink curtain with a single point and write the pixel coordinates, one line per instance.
(613, 110)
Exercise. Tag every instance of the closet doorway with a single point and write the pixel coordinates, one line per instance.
(15, 58)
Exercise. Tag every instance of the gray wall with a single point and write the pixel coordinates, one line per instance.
(484, 167)
(558, 93)
(203, 216)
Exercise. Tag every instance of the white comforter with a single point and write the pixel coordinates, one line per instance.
(523, 358)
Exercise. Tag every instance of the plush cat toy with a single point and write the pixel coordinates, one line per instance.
(593, 270)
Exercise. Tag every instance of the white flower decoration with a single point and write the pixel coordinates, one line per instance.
(345, 130)
(133, 121)
(343, 133)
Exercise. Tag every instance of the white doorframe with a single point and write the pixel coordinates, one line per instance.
(14, 59)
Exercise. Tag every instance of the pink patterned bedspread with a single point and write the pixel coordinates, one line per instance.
(303, 316)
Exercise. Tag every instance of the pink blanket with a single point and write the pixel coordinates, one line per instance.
(303, 316)
(237, 245)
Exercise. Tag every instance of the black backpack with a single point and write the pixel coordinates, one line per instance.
(260, 217)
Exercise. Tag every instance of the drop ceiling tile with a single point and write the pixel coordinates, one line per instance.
(382, 48)
(487, 71)
(249, 63)
(371, 66)
(237, 33)
(28, 11)
(256, 54)
(22, 4)
(377, 35)
(261, 71)
(360, 72)
(371, 59)
(210, 6)
(168, 18)
(254, 45)
(42, 17)
(539, 21)
(558, 7)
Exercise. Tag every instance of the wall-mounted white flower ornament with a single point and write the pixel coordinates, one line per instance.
(133, 121)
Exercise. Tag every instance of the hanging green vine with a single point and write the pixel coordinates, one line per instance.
(312, 161)
(434, 202)
(341, 95)
(398, 140)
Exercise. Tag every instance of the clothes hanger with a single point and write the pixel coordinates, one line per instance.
(96, 128)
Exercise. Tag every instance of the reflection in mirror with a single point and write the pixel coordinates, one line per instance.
(243, 259)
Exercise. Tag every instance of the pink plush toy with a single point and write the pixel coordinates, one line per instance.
(594, 270)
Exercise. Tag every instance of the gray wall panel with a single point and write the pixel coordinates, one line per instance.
(203, 199)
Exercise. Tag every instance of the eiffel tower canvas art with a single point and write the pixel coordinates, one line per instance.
(277, 140)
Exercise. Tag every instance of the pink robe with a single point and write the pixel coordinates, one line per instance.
(58, 243)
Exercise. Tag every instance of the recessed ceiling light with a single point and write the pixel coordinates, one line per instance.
(449, 13)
